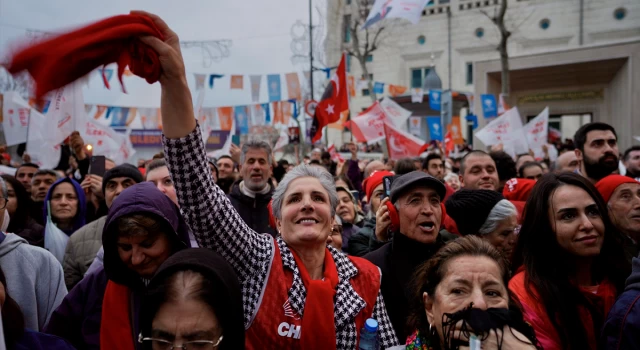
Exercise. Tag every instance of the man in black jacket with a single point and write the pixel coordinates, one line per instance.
(251, 196)
(417, 198)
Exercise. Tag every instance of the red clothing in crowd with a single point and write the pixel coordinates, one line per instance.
(604, 296)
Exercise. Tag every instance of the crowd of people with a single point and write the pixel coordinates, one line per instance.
(245, 251)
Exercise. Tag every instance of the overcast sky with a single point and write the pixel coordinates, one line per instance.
(260, 31)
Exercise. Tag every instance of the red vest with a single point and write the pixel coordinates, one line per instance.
(278, 326)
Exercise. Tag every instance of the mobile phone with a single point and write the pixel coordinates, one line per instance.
(97, 165)
(235, 139)
(386, 182)
(356, 195)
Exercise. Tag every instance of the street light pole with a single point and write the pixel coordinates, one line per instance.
(311, 48)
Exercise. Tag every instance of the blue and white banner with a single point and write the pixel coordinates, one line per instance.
(474, 119)
(435, 128)
(242, 120)
(489, 106)
(378, 87)
(434, 99)
(273, 82)
(267, 113)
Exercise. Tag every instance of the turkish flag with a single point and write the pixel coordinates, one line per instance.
(334, 102)
(368, 125)
(449, 145)
(401, 144)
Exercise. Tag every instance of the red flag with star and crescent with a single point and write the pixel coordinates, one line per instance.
(334, 102)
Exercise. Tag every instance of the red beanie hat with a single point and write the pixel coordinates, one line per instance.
(374, 180)
(518, 189)
(607, 185)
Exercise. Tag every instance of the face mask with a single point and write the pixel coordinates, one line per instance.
(482, 323)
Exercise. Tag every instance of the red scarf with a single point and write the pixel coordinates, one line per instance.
(61, 60)
(318, 324)
(115, 325)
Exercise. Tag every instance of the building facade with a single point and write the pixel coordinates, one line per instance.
(580, 57)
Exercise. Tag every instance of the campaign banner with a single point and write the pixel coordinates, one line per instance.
(456, 131)
(67, 108)
(225, 116)
(489, 106)
(506, 130)
(434, 99)
(255, 81)
(293, 86)
(107, 141)
(435, 128)
(474, 120)
(121, 116)
(153, 138)
(537, 130)
(41, 143)
(242, 120)
(368, 126)
(294, 135)
(237, 82)
(415, 126)
(417, 95)
(401, 144)
(378, 87)
(273, 82)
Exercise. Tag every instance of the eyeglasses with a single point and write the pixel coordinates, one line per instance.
(161, 344)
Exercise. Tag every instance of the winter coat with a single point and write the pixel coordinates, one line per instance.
(257, 257)
(34, 279)
(398, 260)
(32, 231)
(78, 319)
(39, 341)
(622, 328)
(364, 241)
(81, 250)
(253, 211)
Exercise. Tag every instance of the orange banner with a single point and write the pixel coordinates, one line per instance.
(287, 112)
(351, 83)
(396, 90)
(237, 82)
(293, 85)
(225, 115)
(278, 117)
(456, 131)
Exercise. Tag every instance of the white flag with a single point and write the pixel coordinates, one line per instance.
(408, 9)
(67, 109)
(16, 118)
(41, 146)
(395, 113)
(537, 130)
(106, 141)
(283, 140)
(417, 95)
(507, 130)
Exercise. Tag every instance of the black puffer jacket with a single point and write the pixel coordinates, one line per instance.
(254, 211)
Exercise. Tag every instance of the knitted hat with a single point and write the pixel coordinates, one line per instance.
(607, 185)
(374, 180)
(518, 189)
(470, 208)
(124, 170)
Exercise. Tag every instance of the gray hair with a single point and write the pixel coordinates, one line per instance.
(450, 175)
(500, 212)
(46, 172)
(302, 170)
(256, 144)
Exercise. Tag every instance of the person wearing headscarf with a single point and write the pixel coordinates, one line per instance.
(143, 228)
(194, 279)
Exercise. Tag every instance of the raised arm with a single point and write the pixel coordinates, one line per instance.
(212, 218)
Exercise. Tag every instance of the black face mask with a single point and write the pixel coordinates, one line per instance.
(482, 323)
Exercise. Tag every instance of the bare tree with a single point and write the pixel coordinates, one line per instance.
(363, 42)
(498, 18)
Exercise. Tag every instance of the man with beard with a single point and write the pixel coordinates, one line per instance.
(631, 160)
(252, 195)
(597, 150)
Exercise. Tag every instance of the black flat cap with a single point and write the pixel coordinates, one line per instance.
(415, 179)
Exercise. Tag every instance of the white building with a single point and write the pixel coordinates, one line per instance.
(580, 50)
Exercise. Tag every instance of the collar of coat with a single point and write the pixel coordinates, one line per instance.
(347, 302)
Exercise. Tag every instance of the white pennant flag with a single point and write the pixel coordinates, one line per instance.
(16, 118)
(417, 95)
(537, 130)
(507, 130)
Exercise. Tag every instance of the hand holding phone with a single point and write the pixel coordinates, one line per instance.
(97, 165)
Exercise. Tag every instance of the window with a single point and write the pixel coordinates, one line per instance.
(369, 58)
(422, 40)
(346, 29)
(545, 23)
(371, 76)
(348, 2)
(469, 73)
(417, 76)
(620, 13)
(366, 92)
(479, 32)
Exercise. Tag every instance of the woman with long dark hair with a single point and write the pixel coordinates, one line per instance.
(569, 261)
(18, 205)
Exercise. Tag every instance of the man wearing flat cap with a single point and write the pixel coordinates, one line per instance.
(417, 198)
